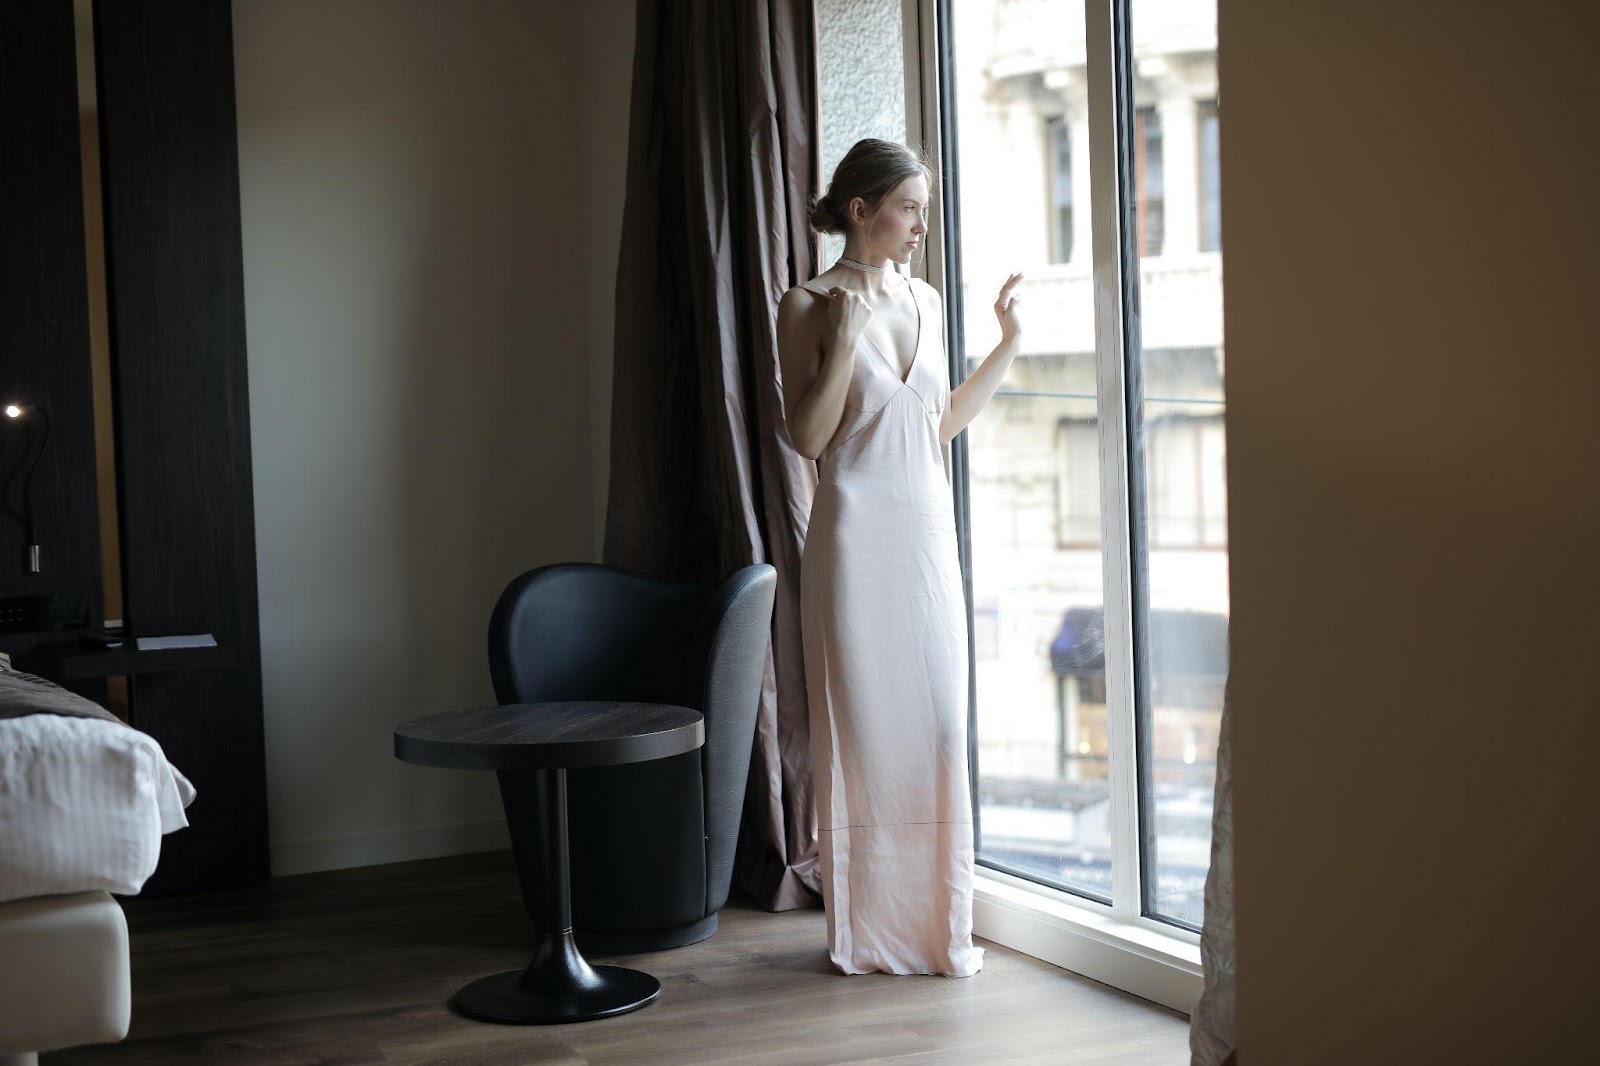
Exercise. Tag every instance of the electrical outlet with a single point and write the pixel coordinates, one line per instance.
(29, 614)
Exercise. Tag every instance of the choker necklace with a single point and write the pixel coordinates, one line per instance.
(859, 266)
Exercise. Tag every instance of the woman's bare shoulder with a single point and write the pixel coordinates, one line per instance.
(802, 323)
(802, 300)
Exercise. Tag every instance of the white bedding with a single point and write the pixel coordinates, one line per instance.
(83, 805)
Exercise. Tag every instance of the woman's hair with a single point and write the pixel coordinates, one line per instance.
(871, 170)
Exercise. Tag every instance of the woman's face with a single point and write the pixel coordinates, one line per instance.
(896, 229)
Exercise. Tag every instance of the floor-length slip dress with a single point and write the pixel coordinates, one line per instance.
(884, 627)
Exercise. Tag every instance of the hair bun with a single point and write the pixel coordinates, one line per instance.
(825, 217)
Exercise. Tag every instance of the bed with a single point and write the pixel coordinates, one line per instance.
(84, 802)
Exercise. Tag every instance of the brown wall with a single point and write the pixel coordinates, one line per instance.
(1411, 219)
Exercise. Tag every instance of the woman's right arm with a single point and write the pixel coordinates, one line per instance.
(816, 354)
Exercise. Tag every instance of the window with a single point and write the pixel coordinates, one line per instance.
(1210, 177)
(1075, 140)
(1091, 491)
(1176, 506)
(1185, 471)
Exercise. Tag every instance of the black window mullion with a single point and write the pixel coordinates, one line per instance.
(1138, 482)
(954, 331)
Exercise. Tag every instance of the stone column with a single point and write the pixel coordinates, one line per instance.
(1078, 123)
(1024, 173)
(1180, 165)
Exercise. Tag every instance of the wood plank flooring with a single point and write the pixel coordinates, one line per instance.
(357, 966)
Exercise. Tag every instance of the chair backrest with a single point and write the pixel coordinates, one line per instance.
(580, 631)
(577, 631)
(734, 668)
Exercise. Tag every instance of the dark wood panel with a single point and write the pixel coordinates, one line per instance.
(358, 966)
(44, 309)
(169, 159)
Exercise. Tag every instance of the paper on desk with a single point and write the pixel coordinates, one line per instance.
(197, 640)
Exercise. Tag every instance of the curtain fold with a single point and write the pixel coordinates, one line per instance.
(1211, 1030)
(721, 163)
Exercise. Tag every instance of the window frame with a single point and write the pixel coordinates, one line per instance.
(1128, 917)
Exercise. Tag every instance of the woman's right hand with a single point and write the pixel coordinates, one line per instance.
(847, 312)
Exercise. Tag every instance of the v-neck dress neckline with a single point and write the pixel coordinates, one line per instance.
(916, 347)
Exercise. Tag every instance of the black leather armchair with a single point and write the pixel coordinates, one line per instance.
(651, 843)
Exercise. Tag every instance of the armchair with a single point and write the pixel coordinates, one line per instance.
(651, 844)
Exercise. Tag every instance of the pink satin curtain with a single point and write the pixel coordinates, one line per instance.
(721, 161)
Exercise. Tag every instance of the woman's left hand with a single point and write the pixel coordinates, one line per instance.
(1005, 309)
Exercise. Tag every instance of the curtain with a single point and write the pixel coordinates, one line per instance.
(721, 162)
(1211, 1031)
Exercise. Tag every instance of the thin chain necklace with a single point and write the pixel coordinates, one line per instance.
(863, 267)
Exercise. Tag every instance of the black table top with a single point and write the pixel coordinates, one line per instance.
(549, 736)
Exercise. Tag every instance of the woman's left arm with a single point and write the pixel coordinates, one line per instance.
(971, 396)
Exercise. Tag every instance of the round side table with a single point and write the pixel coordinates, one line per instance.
(543, 741)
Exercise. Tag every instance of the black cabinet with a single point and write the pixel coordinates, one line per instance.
(174, 283)
(175, 295)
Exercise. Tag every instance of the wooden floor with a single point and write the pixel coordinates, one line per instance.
(357, 966)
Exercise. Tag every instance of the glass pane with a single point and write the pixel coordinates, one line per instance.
(1022, 139)
(862, 87)
(1183, 506)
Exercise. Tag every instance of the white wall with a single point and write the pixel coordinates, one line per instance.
(426, 234)
(1410, 226)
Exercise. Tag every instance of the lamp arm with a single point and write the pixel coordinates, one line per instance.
(27, 481)
(21, 472)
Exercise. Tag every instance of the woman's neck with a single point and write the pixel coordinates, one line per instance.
(873, 281)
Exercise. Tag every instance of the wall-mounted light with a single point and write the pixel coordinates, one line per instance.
(16, 413)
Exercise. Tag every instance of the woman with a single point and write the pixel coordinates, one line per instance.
(866, 387)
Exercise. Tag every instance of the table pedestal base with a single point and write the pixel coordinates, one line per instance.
(557, 986)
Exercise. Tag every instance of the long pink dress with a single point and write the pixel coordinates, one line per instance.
(884, 626)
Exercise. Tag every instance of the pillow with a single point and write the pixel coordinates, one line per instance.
(22, 694)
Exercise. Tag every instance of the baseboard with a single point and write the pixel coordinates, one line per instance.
(389, 845)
